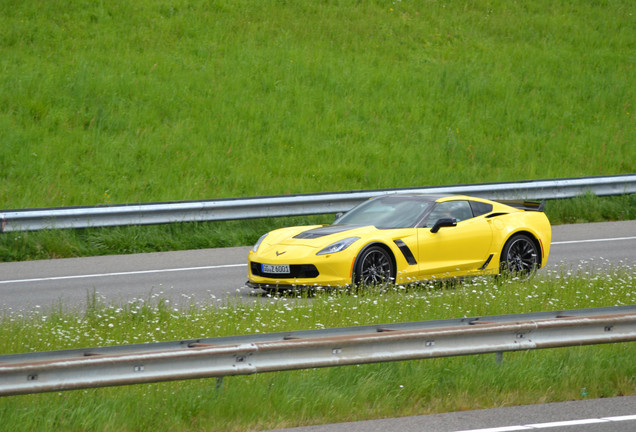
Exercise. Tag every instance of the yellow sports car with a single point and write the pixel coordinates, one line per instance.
(402, 239)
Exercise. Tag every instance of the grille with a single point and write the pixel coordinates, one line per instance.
(295, 271)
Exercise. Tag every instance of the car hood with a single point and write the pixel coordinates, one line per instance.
(315, 236)
(315, 233)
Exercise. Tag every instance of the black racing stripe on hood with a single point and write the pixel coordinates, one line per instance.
(325, 231)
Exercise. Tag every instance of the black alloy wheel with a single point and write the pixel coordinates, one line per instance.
(374, 267)
(520, 257)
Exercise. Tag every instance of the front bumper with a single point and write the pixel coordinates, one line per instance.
(301, 275)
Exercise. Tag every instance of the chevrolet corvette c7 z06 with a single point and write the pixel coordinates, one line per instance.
(402, 239)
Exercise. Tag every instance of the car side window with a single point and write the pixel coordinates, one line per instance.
(459, 210)
(480, 208)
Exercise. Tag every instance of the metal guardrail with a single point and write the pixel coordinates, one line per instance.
(294, 205)
(243, 355)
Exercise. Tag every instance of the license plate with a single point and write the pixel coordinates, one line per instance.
(275, 268)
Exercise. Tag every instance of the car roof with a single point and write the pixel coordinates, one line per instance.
(420, 196)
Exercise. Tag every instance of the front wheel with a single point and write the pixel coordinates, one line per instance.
(519, 257)
(374, 266)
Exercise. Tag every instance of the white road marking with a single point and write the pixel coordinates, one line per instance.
(122, 273)
(554, 424)
(224, 266)
(593, 240)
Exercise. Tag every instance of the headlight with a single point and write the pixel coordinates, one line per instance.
(258, 242)
(338, 246)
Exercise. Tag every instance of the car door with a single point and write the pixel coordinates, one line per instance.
(453, 250)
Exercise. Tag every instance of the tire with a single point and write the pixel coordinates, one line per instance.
(374, 267)
(519, 257)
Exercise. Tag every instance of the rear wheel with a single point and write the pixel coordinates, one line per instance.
(519, 257)
(374, 266)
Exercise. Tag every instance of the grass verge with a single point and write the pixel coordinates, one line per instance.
(276, 400)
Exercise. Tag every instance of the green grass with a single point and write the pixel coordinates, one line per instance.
(588, 208)
(350, 393)
(20, 246)
(156, 100)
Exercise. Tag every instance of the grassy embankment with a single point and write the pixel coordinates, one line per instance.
(115, 102)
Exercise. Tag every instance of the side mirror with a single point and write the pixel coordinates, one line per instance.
(444, 222)
(338, 216)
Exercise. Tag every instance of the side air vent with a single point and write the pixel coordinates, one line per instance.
(487, 262)
(408, 255)
(492, 215)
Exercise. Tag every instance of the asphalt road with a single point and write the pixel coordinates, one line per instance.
(595, 415)
(200, 275)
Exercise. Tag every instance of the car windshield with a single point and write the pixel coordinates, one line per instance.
(387, 212)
